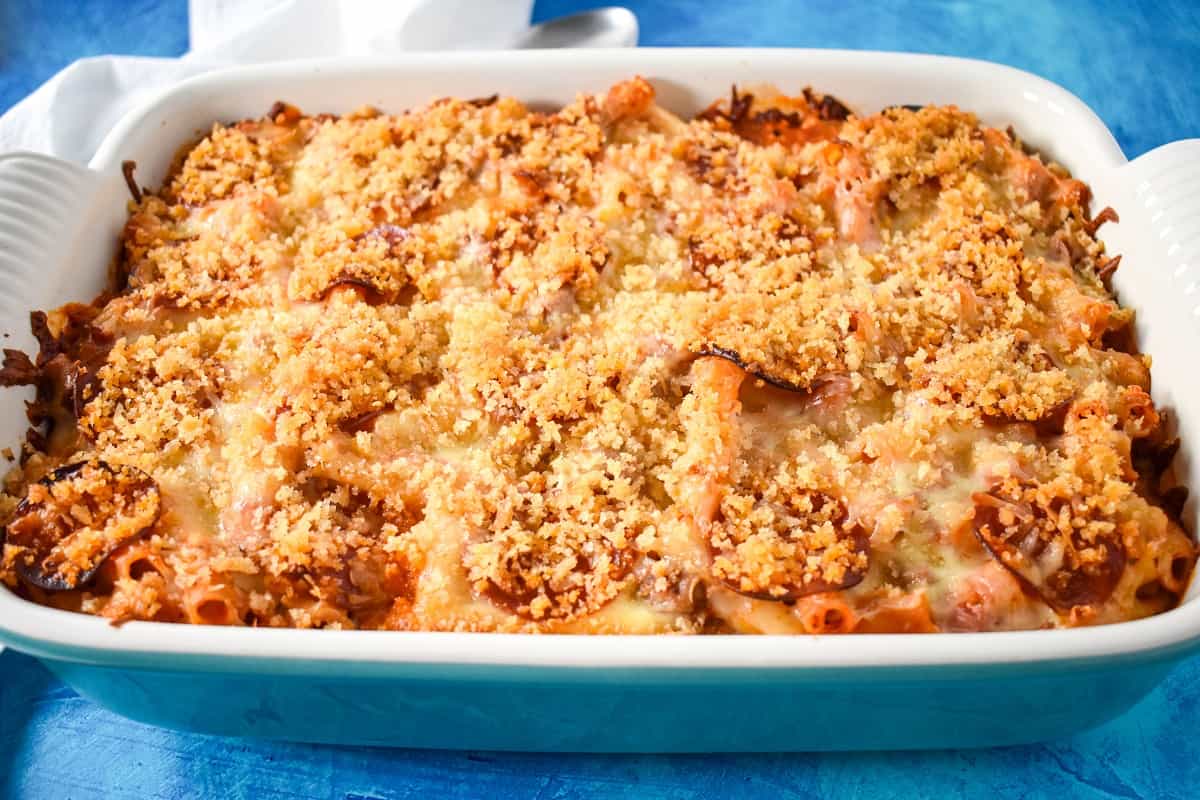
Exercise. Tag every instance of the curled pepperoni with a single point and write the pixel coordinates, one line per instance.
(820, 388)
(1062, 550)
(367, 290)
(74, 518)
(66, 369)
(558, 570)
(375, 275)
(789, 549)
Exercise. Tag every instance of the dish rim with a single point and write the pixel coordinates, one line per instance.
(77, 636)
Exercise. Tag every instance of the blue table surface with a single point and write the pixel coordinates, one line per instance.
(1135, 63)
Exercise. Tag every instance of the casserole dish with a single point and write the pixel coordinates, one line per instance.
(59, 223)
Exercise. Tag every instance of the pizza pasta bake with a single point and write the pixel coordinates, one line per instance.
(780, 368)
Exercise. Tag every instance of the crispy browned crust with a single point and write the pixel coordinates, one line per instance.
(446, 369)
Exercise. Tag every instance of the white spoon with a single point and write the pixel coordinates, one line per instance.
(603, 27)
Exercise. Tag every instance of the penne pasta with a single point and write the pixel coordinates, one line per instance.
(826, 613)
(213, 605)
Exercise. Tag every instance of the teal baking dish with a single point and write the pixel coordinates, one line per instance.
(621, 693)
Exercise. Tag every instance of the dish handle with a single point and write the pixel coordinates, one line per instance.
(59, 225)
(1158, 198)
(57, 238)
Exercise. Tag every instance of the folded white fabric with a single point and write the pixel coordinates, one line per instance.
(70, 114)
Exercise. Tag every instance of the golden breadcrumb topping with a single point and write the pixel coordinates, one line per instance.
(780, 368)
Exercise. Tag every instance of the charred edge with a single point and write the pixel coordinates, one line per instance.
(1173, 500)
(828, 108)
(81, 386)
(736, 358)
(89, 349)
(484, 102)
(1106, 269)
(775, 116)
(1054, 423)
(127, 168)
(35, 442)
(121, 270)
(289, 113)
(48, 346)
(18, 369)
(739, 105)
(1154, 459)
(38, 413)
(1122, 339)
(1106, 215)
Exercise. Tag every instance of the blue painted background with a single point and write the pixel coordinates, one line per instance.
(1136, 64)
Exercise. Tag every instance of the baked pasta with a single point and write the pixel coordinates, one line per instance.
(779, 368)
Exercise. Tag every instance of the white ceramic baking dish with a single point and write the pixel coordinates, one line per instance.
(58, 227)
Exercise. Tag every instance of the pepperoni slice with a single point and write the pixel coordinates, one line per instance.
(366, 289)
(1061, 550)
(558, 570)
(74, 518)
(819, 389)
(374, 274)
(787, 550)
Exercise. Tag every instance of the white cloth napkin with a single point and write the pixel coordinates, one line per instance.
(70, 114)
